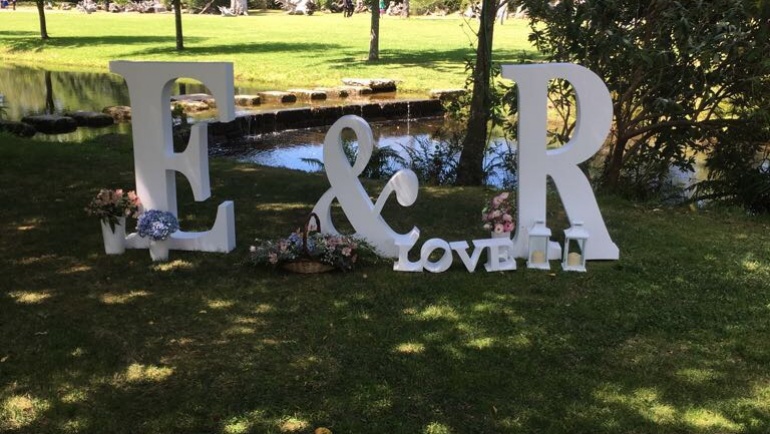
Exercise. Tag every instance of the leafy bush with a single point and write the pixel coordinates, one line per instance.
(422, 7)
(739, 171)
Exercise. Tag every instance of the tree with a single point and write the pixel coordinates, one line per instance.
(178, 23)
(679, 72)
(41, 14)
(470, 168)
(374, 41)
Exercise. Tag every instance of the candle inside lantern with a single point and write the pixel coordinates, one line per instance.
(574, 258)
(538, 257)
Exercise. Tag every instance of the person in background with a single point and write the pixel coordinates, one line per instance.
(382, 7)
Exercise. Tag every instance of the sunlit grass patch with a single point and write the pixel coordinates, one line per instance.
(436, 428)
(756, 266)
(75, 425)
(219, 304)
(29, 260)
(30, 297)
(293, 424)
(176, 264)
(409, 348)
(112, 298)
(481, 343)
(18, 411)
(80, 268)
(645, 401)
(704, 419)
(263, 308)
(137, 373)
(434, 312)
(239, 330)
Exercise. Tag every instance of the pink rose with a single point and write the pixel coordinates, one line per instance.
(272, 258)
(503, 195)
(507, 218)
(507, 226)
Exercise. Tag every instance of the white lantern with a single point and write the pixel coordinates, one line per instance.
(574, 248)
(539, 239)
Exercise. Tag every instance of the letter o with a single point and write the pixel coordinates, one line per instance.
(442, 264)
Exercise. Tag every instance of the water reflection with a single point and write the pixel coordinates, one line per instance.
(296, 149)
(30, 91)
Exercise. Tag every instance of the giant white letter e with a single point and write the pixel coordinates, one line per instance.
(149, 87)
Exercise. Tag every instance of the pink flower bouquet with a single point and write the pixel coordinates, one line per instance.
(498, 214)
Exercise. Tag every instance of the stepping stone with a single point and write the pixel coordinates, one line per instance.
(118, 112)
(17, 128)
(192, 97)
(191, 105)
(91, 119)
(334, 92)
(447, 94)
(375, 84)
(356, 90)
(313, 95)
(51, 124)
(248, 100)
(276, 96)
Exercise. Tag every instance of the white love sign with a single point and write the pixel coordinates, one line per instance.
(499, 255)
(156, 163)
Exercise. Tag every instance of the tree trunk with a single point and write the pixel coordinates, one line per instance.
(41, 13)
(615, 163)
(470, 170)
(178, 22)
(374, 42)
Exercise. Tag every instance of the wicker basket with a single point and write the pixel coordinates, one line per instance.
(306, 264)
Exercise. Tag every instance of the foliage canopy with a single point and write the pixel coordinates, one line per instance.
(681, 73)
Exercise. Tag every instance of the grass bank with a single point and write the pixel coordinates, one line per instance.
(670, 339)
(270, 50)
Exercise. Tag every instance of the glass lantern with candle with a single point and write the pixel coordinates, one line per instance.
(575, 238)
(539, 239)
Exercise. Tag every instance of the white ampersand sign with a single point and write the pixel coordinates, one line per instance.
(364, 216)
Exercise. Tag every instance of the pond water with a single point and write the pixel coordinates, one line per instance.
(301, 149)
(26, 90)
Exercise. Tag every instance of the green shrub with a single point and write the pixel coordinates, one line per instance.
(422, 7)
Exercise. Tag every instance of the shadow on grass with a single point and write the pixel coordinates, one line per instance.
(446, 60)
(254, 47)
(670, 339)
(36, 45)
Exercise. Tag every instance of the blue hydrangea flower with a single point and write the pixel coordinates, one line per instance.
(156, 225)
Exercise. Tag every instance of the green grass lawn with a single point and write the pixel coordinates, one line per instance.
(672, 338)
(270, 50)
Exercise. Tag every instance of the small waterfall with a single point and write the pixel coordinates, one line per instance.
(408, 118)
